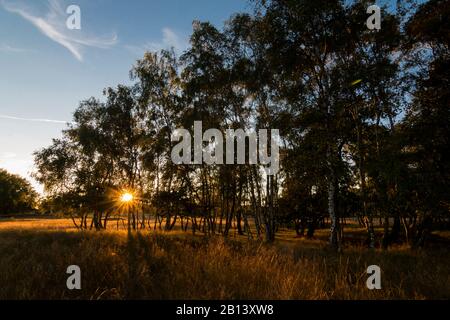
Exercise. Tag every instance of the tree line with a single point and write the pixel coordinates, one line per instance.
(363, 118)
(16, 194)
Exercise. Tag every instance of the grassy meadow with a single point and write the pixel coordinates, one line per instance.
(35, 254)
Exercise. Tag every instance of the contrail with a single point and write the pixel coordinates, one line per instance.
(35, 120)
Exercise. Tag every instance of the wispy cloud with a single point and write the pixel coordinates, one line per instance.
(10, 49)
(53, 25)
(170, 39)
(2, 116)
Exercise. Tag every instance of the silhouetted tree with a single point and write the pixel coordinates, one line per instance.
(16, 194)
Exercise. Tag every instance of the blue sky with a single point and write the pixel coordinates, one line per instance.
(47, 69)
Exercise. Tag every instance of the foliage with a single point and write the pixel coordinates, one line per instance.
(363, 115)
(16, 194)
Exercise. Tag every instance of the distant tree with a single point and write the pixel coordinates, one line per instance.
(16, 194)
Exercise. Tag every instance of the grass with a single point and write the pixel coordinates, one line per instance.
(35, 253)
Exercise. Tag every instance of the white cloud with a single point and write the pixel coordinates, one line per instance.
(53, 25)
(2, 116)
(170, 39)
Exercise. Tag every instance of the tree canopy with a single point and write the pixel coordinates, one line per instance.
(16, 194)
(363, 116)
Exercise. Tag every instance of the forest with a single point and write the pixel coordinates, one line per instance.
(363, 117)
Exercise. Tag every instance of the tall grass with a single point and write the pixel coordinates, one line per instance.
(33, 266)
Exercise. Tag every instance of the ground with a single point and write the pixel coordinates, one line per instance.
(35, 254)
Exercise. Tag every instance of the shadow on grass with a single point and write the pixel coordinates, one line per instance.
(33, 266)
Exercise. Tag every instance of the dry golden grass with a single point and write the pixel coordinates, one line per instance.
(37, 224)
(35, 254)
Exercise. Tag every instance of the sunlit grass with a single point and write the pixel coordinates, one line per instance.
(37, 224)
(175, 265)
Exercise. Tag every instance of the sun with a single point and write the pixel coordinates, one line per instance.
(126, 197)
